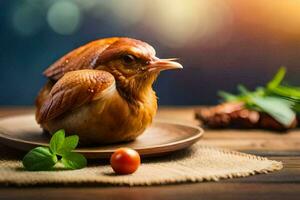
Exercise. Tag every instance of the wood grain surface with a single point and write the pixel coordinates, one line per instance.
(284, 184)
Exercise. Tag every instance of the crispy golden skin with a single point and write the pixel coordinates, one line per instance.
(73, 90)
(102, 91)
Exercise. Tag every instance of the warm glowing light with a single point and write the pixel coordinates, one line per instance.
(273, 17)
(64, 17)
(179, 22)
(175, 23)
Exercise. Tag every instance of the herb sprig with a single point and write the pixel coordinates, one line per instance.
(279, 100)
(59, 151)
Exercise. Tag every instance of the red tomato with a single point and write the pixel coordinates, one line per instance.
(125, 161)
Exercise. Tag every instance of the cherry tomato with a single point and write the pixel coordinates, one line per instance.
(125, 161)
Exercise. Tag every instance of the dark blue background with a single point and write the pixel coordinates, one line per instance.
(250, 57)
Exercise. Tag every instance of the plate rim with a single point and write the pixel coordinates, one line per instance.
(92, 153)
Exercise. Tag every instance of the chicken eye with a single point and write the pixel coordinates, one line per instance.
(128, 59)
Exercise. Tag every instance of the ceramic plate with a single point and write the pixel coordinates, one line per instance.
(22, 132)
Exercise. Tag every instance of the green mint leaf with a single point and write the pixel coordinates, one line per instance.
(70, 143)
(44, 158)
(74, 161)
(277, 78)
(39, 158)
(278, 108)
(57, 141)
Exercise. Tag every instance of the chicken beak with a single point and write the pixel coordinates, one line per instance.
(163, 64)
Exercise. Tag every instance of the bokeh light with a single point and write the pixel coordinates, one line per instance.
(180, 22)
(27, 19)
(87, 5)
(275, 17)
(220, 42)
(64, 17)
(124, 12)
(176, 22)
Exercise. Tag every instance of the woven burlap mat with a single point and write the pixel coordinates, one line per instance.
(196, 164)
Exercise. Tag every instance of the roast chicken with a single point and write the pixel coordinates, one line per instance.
(102, 91)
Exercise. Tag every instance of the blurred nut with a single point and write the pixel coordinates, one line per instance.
(235, 115)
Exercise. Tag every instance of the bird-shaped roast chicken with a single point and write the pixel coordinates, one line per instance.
(102, 91)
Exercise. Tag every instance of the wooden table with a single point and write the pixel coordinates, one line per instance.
(284, 184)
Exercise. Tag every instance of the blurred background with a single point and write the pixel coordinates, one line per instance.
(220, 42)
